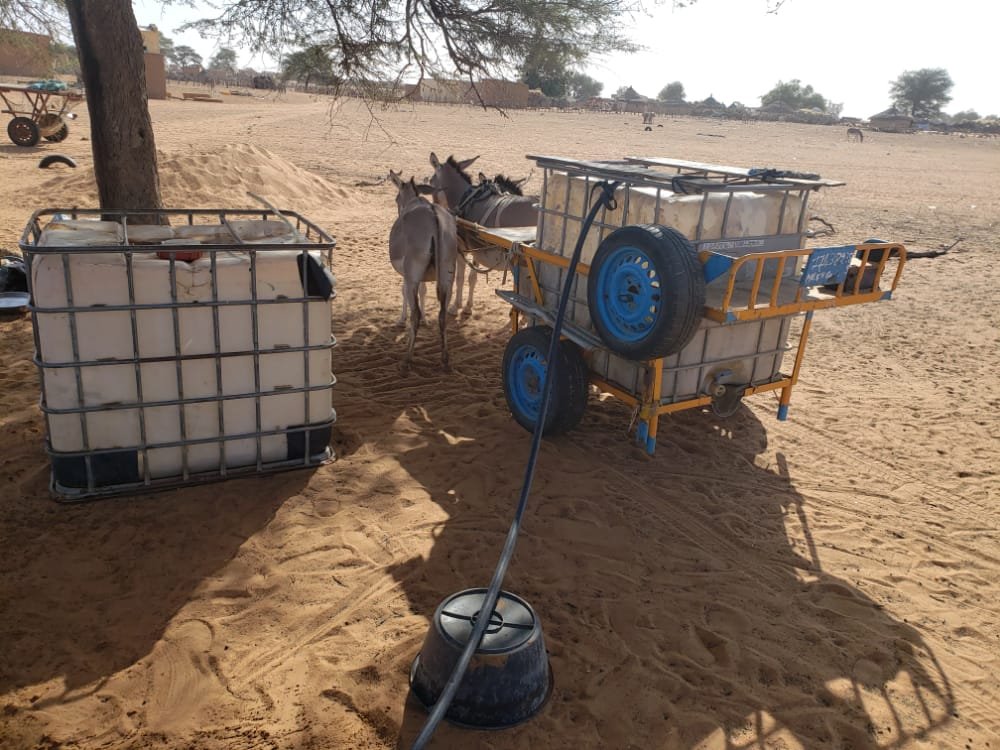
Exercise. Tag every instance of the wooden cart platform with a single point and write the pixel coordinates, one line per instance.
(38, 113)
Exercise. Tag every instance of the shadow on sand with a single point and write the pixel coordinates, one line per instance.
(682, 597)
(89, 589)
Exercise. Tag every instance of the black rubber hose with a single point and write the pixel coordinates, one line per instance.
(493, 592)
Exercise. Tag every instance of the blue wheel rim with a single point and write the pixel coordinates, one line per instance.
(526, 381)
(629, 296)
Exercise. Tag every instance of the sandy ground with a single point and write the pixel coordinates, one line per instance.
(828, 582)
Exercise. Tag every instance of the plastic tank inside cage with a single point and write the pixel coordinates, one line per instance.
(722, 215)
(154, 369)
(747, 353)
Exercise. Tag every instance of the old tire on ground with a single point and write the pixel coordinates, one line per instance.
(23, 131)
(59, 135)
(524, 372)
(49, 126)
(646, 291)
(50, 159)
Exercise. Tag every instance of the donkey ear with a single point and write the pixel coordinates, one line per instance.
(394, 176)
(425, 189)
(434, 160)
(468, 162)
(482, 178)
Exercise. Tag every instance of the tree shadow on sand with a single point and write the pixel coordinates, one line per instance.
(683, 601)
(88, 590)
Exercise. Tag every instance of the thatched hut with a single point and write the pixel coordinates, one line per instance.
(630, 101)
(779, 111)
(675, 107)
(891, 120)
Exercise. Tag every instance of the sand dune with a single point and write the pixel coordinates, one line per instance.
(215, 178)
(827, 582)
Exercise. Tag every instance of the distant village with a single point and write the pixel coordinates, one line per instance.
(515, 95)
(33, 55)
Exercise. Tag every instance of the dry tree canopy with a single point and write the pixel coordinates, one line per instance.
(35, 16)
(387, 40)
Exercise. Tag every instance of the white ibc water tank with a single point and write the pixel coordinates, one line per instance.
(175, 385)
(567, 200)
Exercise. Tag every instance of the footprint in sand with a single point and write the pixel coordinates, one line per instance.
(717, 646)
(726, 620)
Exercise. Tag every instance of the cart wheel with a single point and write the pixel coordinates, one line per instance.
(23, 131)
(646, 291)
(59, 135)
(524, 370)
(874, 256)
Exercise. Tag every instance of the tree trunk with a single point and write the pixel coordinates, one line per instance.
(121, 134)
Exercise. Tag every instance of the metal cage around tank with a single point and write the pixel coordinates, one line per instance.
(159, 369)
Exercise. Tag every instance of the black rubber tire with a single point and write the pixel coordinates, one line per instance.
(60, 135)
(48, 161)
(572, 408)
(23, 131)
(670, 267)
(569, 396)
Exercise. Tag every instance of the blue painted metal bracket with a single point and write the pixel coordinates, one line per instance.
(643, 438)
(717, 265)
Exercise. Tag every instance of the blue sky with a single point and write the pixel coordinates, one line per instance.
(848, 50)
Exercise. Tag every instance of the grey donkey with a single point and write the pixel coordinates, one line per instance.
(423, 246)
(491, 203)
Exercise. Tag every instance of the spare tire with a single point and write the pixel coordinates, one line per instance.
(646, 291)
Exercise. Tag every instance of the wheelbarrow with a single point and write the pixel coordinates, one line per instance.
(38, 112)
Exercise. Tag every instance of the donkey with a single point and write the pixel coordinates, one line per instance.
(491, 203)
(483, 259)
(480, 203)
(855, 134)
(423, 246)
(505, 184)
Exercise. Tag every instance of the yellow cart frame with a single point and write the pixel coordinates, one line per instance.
(741, 290)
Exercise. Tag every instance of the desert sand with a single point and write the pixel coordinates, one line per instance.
(828, 582)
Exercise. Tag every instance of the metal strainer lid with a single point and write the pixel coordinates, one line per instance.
(512, 624)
